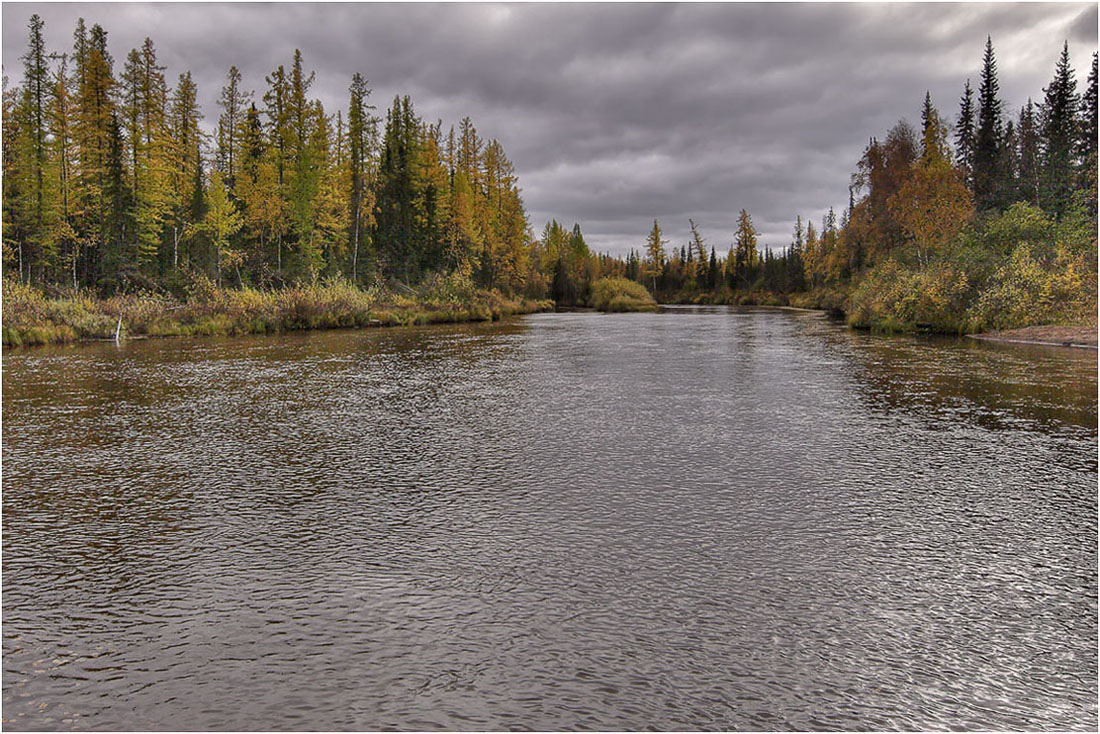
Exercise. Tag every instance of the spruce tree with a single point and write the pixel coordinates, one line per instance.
(1086, 150)
(964, 135)
(1028, 156)
(989, 137)
(1087, 129)
(361, 136)
(1060, 137)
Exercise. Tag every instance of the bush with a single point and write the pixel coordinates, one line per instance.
(621, 294)
(1018, 268)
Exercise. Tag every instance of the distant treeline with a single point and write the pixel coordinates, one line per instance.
(110, 183)
(995, 230)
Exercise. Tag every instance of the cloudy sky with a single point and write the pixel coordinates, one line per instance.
(616, 114)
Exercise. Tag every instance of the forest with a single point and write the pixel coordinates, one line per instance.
(985, 224)
(117, 205)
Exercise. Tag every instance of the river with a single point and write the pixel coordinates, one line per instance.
(703, 518)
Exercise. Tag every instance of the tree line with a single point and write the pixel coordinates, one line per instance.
(111, 182)
(913, 195)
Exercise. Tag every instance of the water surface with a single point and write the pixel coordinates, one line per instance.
(696, 519)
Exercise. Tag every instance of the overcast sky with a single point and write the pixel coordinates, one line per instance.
(616, 114)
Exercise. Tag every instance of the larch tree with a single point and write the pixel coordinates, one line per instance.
(35, 188)
(220, 222)
(655, 253)
(234, 101)
(362, 138)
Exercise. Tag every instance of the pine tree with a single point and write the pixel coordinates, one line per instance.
(1087, 125)
(698, 249)
(143, 108)
(395, 200)
(795, 268)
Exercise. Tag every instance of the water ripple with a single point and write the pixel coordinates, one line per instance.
(698, 519)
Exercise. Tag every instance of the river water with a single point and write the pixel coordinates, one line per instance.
(697, 519)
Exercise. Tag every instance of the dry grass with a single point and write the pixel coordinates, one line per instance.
(30, 317)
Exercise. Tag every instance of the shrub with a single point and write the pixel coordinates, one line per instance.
(621, 294)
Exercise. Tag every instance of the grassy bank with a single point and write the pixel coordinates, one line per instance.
(31, 316)
(621, 294)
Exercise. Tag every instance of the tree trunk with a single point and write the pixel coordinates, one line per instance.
(355, 251)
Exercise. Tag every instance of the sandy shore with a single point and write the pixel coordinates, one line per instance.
(1059, 336)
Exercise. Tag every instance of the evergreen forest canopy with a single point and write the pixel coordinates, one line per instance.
(110, 183)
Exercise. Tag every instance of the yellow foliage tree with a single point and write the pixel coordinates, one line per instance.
(932, 206)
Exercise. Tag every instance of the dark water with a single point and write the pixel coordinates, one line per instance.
(698, 519)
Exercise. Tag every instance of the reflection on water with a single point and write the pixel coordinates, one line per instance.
(698, 519)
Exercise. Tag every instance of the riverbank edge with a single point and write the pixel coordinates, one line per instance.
(1077, 337)
(81, 320)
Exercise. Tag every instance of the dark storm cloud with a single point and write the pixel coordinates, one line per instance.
(618, 114)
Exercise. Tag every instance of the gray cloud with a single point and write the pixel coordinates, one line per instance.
(615, 114)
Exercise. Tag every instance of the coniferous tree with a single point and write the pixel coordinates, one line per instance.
(964, 136)
(234, 102)
(988, 180)
(746, 256)
(395, 200)
(362, 133)
(64, 156)
(1028, 156)
(185, 174)
(1087, 124)
(1060, 137)
(95, 108)
(1086, 151)
(33, 204)
(655, 254)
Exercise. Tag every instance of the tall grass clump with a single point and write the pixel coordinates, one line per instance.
(621, 294)
(30, 316)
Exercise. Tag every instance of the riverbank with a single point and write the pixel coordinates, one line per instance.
(31, 316)
(1057, 336)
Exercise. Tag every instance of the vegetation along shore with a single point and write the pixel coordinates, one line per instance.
(118, 205)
